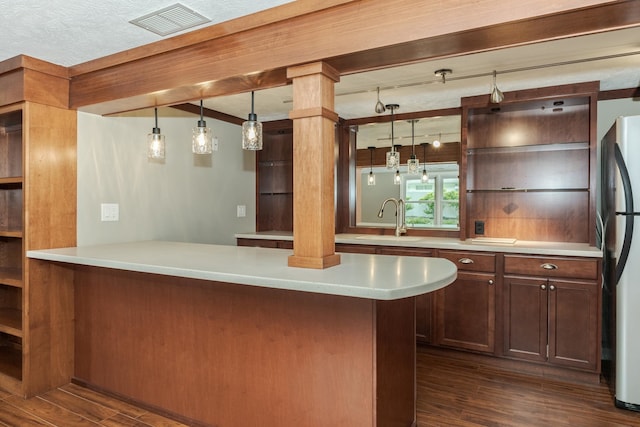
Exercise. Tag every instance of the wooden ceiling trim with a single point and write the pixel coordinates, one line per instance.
(357, 35)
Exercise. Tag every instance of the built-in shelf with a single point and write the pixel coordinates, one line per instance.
(560, 146)
(11, 321)
(11, 276)
(11, 180)
(10, 367)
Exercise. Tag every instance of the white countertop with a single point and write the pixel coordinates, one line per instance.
(520, 246)
(378, 277)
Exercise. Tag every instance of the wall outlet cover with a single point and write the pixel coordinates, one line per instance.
(109, 212)
(479, 225)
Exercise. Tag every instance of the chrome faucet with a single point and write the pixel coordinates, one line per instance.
(401, 226)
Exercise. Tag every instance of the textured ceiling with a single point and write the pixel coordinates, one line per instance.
(69, 32)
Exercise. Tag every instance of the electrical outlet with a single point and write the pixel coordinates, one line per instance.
(479, 227)
(241, 211)
(215, 144)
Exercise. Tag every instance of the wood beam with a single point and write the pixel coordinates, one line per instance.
(351, 36)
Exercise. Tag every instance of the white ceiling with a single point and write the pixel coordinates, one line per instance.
(69, 32)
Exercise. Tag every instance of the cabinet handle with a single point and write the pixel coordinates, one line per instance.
(543, 287)
(552, 288)
(491, 281)
(549, 266)
(465, 261)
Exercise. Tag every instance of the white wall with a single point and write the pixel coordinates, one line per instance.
(609, 110)
(187, 198)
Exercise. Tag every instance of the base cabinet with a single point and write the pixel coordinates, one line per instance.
(530, 308)
(465, 310)
(552, 319)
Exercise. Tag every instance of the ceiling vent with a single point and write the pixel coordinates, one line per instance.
(170, 20)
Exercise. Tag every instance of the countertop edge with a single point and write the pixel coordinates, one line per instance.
(521, 247)
(292, 281)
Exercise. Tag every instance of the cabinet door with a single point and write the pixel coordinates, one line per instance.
(465, 313)
(573, 323)
(525, 318)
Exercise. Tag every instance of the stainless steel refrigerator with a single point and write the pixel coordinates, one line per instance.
(620, 209)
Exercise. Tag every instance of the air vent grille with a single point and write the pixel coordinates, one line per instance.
(170, 20)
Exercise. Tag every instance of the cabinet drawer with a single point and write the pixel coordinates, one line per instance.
(578, 268)
(471, 261)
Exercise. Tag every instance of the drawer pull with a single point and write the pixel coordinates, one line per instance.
(549, 266)
(465, 261)
(491, 281)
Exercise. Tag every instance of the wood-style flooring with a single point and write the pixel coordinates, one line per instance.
(462, 393)
(451, 392)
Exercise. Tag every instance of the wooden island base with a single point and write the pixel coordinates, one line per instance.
(223, 354)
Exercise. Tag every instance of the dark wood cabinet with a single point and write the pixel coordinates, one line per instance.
(530, 165)
(466, 309)
(274, 182)
(553, 317)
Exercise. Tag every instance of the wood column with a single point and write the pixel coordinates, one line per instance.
(313, 165)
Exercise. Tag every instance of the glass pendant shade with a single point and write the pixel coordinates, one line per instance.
(393, 159)
(252, 131)
(202, 138)
(425, 176)
(393, 156)
(155, 141)
(371, 180)
(413, 165)
(496, 94)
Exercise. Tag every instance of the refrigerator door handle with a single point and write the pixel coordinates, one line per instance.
(629, 213)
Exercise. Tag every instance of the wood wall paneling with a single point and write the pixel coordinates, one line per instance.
(261, 356)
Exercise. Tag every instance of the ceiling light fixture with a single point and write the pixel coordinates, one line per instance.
(413, 164)
(425, 176)
(393, 156)
(442, 73)
(436, 142)
(372, 178)
(155, 141)
(252, 131)
(496, 94)
(202, 139)
(379, 105)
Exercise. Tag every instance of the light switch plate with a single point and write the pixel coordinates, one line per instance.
(241, 211)
(109, 212)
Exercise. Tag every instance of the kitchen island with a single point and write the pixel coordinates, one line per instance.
(231, 336)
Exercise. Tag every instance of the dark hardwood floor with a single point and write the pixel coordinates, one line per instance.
(451, 392)
(465, 393)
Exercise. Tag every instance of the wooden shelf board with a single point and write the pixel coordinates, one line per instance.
(11, 180)
(11, 321)
(11, 276)
(10, 368)
(11, 233)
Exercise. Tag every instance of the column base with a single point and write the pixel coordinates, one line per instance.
(312, 262)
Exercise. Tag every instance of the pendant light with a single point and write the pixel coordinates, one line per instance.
(252, 131)
(413, 164)
(202, 140)
(496, 95)
(372, 178)
(425, 176)
(396, 178)
(393, 156)
(379, 105)
(155, 141)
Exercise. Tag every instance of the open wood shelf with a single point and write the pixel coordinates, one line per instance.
(10, 366)
(11, 321)
(11, 277)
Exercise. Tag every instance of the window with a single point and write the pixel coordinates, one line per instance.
(434, 203)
